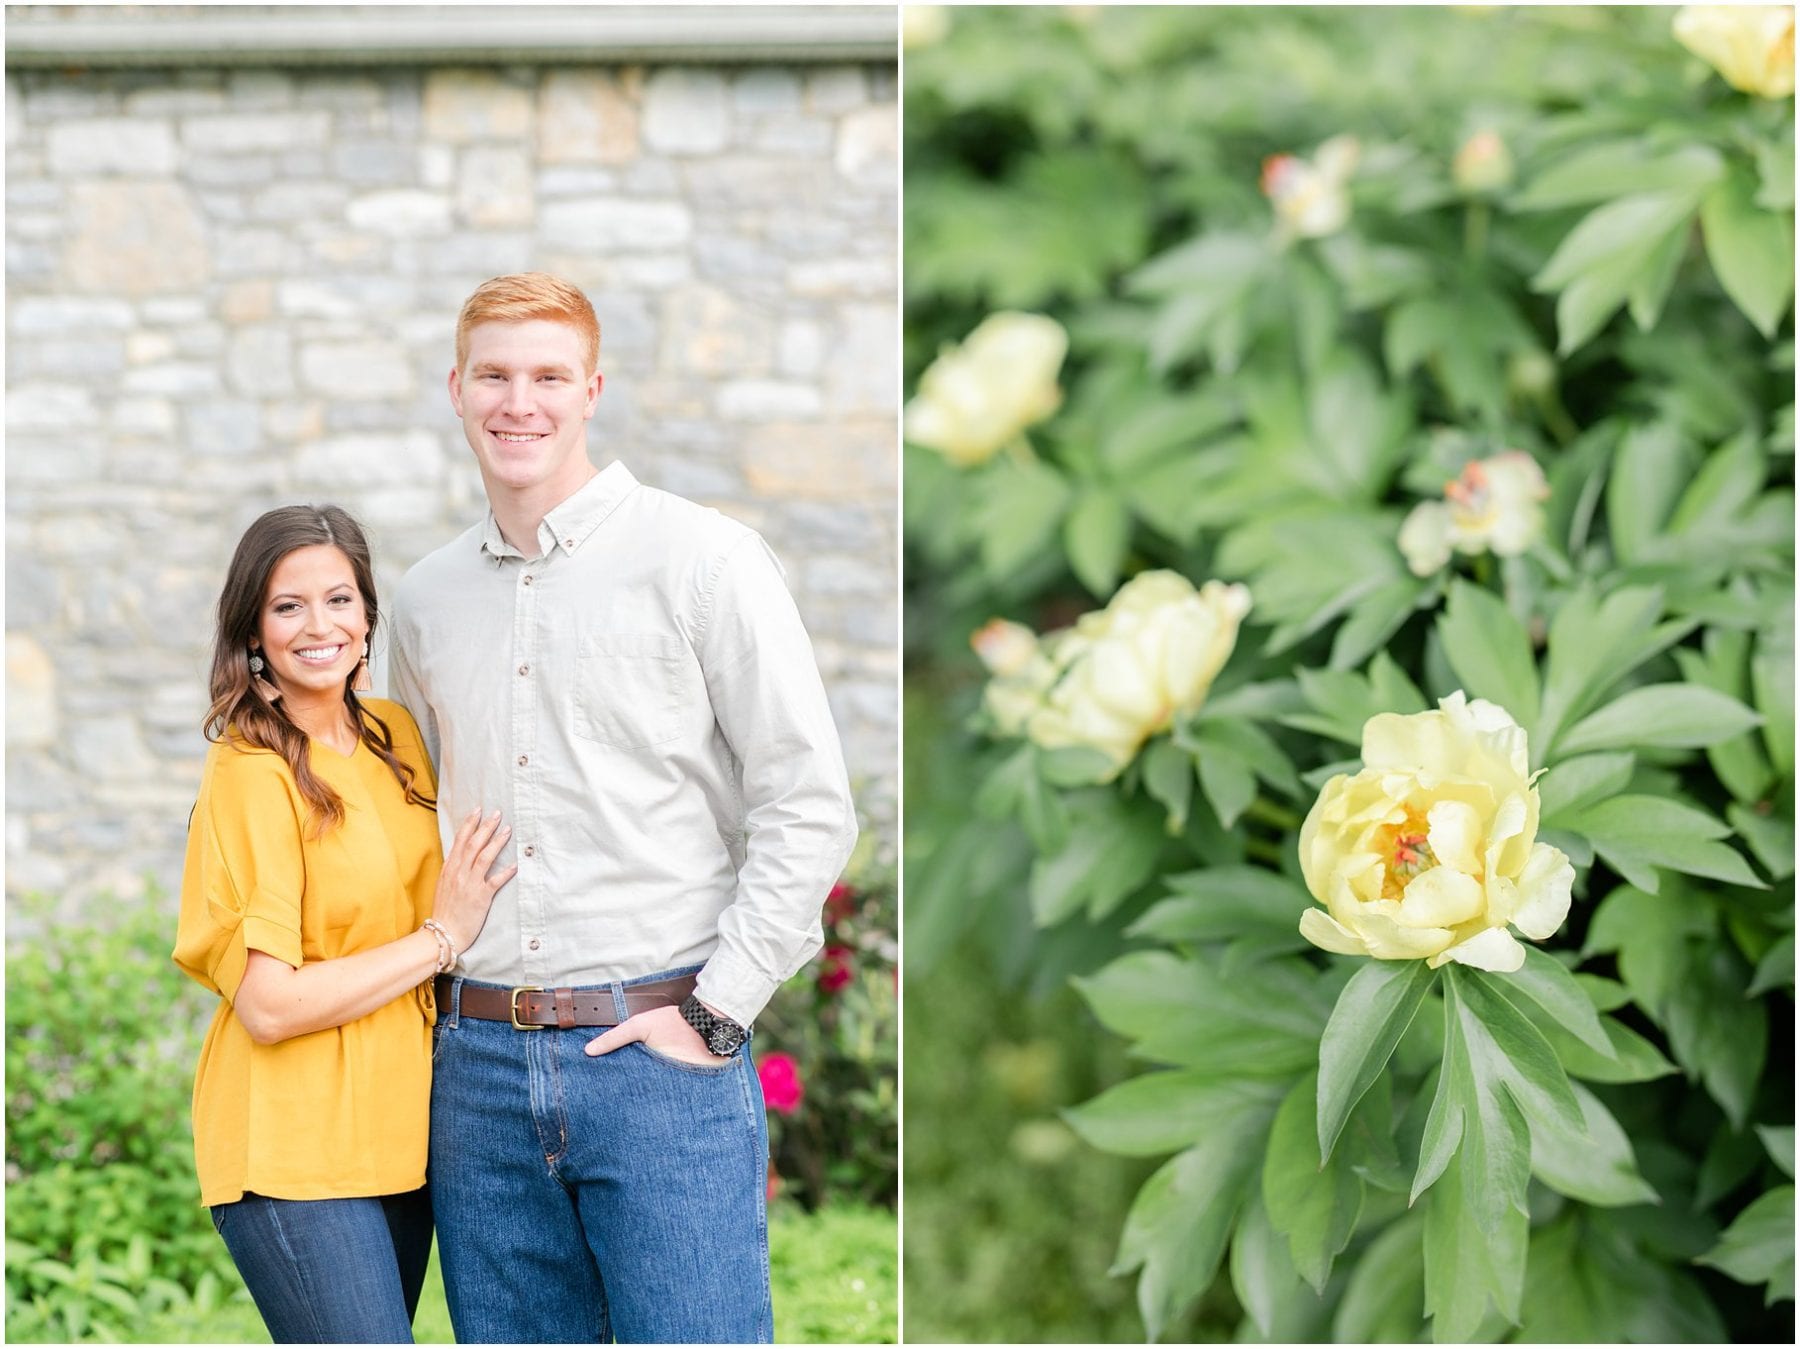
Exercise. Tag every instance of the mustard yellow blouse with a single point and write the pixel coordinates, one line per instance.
(341, 1112)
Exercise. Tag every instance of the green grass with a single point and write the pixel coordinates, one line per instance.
(833, 1275)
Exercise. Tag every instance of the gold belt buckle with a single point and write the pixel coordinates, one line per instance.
(514, 1006)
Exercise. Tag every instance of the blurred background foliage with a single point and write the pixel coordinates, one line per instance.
(1552, 230)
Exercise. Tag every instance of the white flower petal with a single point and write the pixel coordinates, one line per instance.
(1441, 897)
(1493, 949)
(1326, 933)
(1544, 888)
(1454, 833)
(1389, 940)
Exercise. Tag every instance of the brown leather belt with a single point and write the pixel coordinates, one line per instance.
(530, 1008)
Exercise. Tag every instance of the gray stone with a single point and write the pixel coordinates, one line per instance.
(35, 225)
(339, 93)
(402, 213)
(96, 358)
(109, 746)
(259, 89)
(26, 261)
(801, 349)
(134, 238)
(40, 315)
(25, 195)
(260, 360)
(437, 165)
(470, 105)
(67, 97)
(832, 89)
(863, 377)
(299, 201)
(576, 181)
(495, 187)
(603, 224)
(254, 252)
(229, 170)
(45, 407)
(586, 116)
(685, 111)
(367, 161)
(227, 428)
(173, 309)
(303, 164)
(111, 145)
(173, 378)
(15, 113)
(200, 339)
(762, 400)
(152, 417)
(164, 101)
(840, 575)
(764, 89)
(410, 459)
(366, 369)
(30, 694)
(790, 136)
(868, 146)
(234, 133)
(842, 276)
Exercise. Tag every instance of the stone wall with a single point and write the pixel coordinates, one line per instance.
(234, 289)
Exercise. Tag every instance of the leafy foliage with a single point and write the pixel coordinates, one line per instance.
(104, 1226)
(1358, 1149)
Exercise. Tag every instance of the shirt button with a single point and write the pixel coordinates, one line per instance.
(528, 578)
(534, 943)
(524, 759)
(530, 850)
(524, 669)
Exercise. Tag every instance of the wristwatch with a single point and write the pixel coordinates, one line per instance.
(723, 1036)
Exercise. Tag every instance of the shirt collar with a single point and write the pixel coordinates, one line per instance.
(568, 524)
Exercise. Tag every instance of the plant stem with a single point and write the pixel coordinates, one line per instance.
(1265, 811)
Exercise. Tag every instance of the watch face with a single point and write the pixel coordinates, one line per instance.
(722, 1040)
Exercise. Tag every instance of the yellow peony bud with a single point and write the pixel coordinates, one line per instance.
(977, 398)
(1752, 46)
(1431, 852)
(1483, 165)
(1310, 197)
(1494, 506)
(1127, 671)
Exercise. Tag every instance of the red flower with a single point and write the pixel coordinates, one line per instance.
(837, 970)
(840, 903)
(781, 1085)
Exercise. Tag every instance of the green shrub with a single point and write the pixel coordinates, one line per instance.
(1312, 266)
(837, 1022)
(103, 1219)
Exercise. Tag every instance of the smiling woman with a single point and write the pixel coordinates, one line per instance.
(313, 903)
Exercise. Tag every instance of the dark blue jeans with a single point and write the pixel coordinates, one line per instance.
(583, 1200)
(331, 1271)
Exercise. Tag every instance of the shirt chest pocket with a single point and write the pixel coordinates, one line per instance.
(631, 688)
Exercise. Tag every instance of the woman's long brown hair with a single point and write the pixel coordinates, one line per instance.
(243, 715)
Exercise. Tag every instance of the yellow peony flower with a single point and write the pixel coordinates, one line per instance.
(1311, 197)
(923, 25)
(1430, 852)
(1494, 506)
(1022, 668)
(1752, 46)
(1482, 165)
(1127, 671)
(977, 398)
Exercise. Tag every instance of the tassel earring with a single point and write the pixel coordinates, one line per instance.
(266, 689)
(362, 682)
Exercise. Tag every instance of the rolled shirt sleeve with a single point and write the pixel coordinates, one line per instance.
(800, 824)
(245, 870)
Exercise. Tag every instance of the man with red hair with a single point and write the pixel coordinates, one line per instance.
(623, 675)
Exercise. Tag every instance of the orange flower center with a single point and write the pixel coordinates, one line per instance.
(1408, 850)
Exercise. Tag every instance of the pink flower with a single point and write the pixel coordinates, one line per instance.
(838, 969)
(841, 902)
(781, 1085)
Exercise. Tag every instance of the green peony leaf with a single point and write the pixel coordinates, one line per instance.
(1112, 849)
(1229, 782)
(1582, 781)
(1262, 1273)
(1384, 1299)
(1370, 1016)
(1166, 1111)
(1751, 251)
(1661, 716)
(1758, 1247)
(1096, 534)
(1595, 1165)
(1470, 1265)
(1315, 1207)
(1542, 980)
(1489, 651)
(1635, 833)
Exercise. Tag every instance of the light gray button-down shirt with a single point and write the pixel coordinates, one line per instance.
(641, 701)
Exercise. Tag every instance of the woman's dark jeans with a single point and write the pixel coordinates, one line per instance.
(332, 1271)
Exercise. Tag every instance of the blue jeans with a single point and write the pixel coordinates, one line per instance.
(331, 1271)
(583, 1200)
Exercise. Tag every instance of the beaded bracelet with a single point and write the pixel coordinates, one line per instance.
(438, 930)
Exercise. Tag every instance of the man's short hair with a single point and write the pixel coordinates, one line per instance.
(524, 296)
